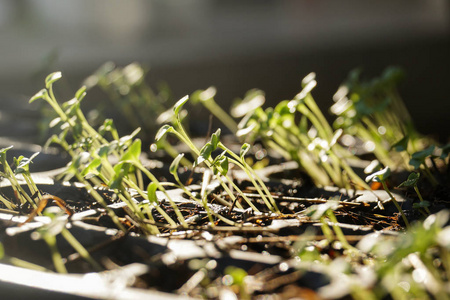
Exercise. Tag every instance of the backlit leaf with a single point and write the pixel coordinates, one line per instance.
(174, 165)
(39, 95)
(379, 176)
(162, 131)
(133, 152)
(50, 79)
(151, 192)
(179, 105)
(412, 180)
(244, 150)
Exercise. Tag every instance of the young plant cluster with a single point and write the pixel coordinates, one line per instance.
(373, 111)
(94, 151)
(297, 130)
(414, 263)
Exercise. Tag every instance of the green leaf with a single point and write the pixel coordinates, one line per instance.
(151, 192)
(419, 157)
(412, 180)
(50, 79)
(224, 164)
(107, 149)
(127, 138)
(93, 167)
(246, 130)
(54, 122)
(379, 176)
(252, 100)
(133, 152)
(179, 105)
(244, 149)
(121, 170)
(116, 181)
(401, 145)
(205, 154)
(282, 108)
(215, 138)
(237, 274)
(372, 167)
(415, 163)
(162, 131)
(81, 93)
(421, 204)
(81, 159)
(424, 153)
(3, 152)
(23, 163)
(174, 165)
(39, 95)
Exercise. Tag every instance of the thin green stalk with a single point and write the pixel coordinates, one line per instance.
(159, 209)
(7, 203)
(102, 202)
(420, 198)
(80, 249)
(185, 139)
(326, 230)
(396, 205)
(23, 264)
(56, 255)
(252, 176)
(225, 118)
(162, 189)
(338, 231)
(311, 103)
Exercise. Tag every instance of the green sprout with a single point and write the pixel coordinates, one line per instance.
(206, 97)
(219, 165)
(91, 152)
(382, 176)
(323, 213)
(374, 112)
(418, 160)
(311, 142)
(412, 180)
(22, 167)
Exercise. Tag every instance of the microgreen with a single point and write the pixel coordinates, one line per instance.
(22, 167)
(91, 150)
(219, 164)
(382, 176)
(412, 180)
(418, 160)
(373, 111)
(206, 97)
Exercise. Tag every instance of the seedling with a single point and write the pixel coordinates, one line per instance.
(218, 165)
(312, 143)
(131, 95)
(49, 232)
(206, 97)
(323, 213)
(91, 150)
(382, 176)
(20, 194)
(412, 180)
(418, 160)
(374, 112)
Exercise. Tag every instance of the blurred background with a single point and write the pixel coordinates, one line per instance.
(233, 45)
